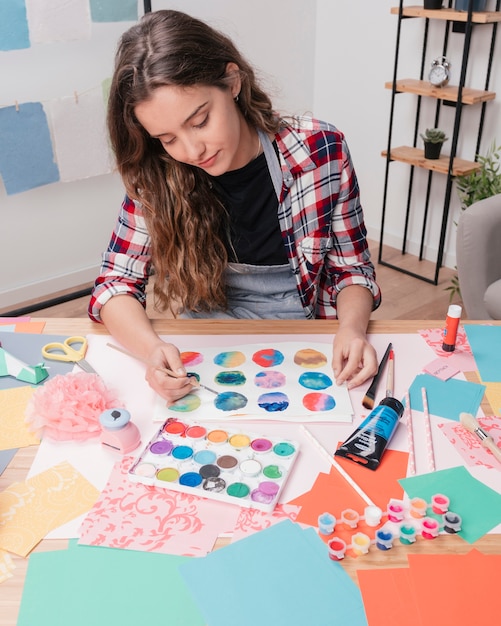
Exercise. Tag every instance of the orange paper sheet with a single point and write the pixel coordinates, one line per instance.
(332, 493)
(31, 509)
(14, 432)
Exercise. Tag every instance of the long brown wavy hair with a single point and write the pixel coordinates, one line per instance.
(185, 219)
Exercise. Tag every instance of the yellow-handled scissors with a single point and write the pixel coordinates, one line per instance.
(71, 350)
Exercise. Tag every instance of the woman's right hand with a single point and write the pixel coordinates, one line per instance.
(171, 387)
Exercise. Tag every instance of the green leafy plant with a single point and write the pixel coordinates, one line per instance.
(433, 135)
(483, 183)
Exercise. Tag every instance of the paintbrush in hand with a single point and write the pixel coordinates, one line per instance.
(194, 382)
(370, 394)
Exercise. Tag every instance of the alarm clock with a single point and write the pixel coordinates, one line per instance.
(440, 72)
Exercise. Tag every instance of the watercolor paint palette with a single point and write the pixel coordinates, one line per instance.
(229, 465)
(288, 381)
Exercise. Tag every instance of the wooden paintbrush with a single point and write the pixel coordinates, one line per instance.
(471, 424)
(193, 380)
(370, 394)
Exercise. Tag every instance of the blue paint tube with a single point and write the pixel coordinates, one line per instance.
(368, 442)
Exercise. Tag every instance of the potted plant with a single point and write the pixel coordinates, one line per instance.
(432, 4)
(478, 185)
(433, 139)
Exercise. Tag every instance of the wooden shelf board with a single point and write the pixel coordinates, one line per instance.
(478, 17)
(449, 92)
(415, 156)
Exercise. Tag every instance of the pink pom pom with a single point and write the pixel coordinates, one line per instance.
(68, 407)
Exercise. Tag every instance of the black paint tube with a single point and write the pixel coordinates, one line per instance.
(368, 442)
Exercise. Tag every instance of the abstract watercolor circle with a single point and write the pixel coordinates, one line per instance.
(191, 402)
(310, 358)
(315, 380)
(318, 402)
(230, 378)
(191, 358)
(273, 402)
(231, 358)
(230, 401)
(269, 357)
(270, 379)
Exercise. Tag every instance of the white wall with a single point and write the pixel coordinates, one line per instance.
(328, 58)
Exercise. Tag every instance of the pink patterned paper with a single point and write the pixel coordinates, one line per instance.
(134, 516)
(252, 521)
(462, 358)
(469, 446)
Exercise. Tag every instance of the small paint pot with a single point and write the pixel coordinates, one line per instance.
(384, 539)
(418, 507)
(407, 534)
(326, 524)
(440, 504)
(196, 432)
(337, 549)
(372, 515)
(452, 522)
(350, 518)
(360, 543)
(395, 511)
(261, 445)
(430, 528)
(217, 437)
(250, 467)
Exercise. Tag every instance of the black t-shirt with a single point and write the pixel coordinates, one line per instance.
(250, 199)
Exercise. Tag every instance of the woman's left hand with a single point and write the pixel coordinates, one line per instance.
(354, 360)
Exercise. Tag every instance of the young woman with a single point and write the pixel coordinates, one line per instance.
(239, 212)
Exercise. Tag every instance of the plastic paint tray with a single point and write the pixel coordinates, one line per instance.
(230, 465)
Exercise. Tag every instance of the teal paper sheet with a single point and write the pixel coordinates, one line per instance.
(88, 586)
(446, 398)
(485, 343)
(478, 505)
(281, 576)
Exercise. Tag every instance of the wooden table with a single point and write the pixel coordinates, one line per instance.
(11, 590)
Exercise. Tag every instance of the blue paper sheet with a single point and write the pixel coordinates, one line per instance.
(14, 32)
(113, 10)
(446, 398)
(485, 343)
(281, 576)
(26, 157)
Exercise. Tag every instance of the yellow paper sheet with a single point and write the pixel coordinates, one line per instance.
(14, 432)
(493, 394)
(31, 509)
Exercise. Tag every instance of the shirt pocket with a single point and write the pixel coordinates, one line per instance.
(314, 248)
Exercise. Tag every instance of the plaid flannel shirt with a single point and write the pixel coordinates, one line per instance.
(320, 217)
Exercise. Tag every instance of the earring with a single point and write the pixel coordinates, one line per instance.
(236, 98)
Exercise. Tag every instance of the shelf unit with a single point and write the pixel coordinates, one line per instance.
(456, 96)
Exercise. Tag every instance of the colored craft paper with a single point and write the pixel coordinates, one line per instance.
(485, 342)
(6, 566)
(82, 586)
(113, 10)
(493, 394)
(58, 20)
(281, 575)
(32, 327)
(332, 493)
(447, 398)
(136, 517)
(468, 444)
(14, 432)
(14, 32)
(389, 599)
(26, 158)
(6, 457)
(251, 520)
(80, 137)
(13, 320)
(291, 381)
(27, 347)
(478, 505)
(30, 509)
(462, 577)
(434, 338)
